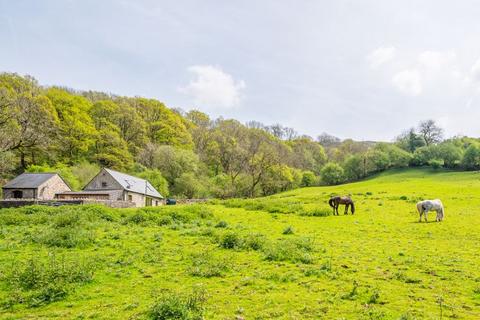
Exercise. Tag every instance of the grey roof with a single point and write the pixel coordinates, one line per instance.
(29, 180)
(134, 184)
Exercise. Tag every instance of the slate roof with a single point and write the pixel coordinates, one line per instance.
(134, 184)
(29, 180)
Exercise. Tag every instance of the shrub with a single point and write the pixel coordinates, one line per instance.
(288, 230)
(316, 212)
(40, 282)
(172, 305)
(254, 241)
(374, 298)
(221, 224)
(205, 264)
(308, 179)
(68, 237)
(293, 250)
(436, 163)
(332, 174)
(231, 240)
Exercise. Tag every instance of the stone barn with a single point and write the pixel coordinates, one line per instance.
(38, 186)
(116, 186)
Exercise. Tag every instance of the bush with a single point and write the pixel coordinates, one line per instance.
(221, 224)
(436, 163)
(205, 264)
(172, 305)
(67, 237)
(293, 250)
(354, 167)
(254, 241)
(40, 282)
(231, 240)
(332, 174)
(288, 230)
(316, 212)
(308, 179)
(471, 158)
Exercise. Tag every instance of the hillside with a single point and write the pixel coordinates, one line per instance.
(190, 155)
(280, 257)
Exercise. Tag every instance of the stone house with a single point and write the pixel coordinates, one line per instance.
(39, 186)
(116, 186)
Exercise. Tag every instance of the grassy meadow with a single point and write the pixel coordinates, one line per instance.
(280, 257)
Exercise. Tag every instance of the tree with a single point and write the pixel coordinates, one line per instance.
(133, 129)
(471, 158)
(164, 126)
(423, 155)
(188, 186)
(172, 162)
(27, 118)
(263, 151)
(156, 179)
(353, 167)
(327, 140)
(410, 140)
(227, 151)
(280, 178)
(377, 160)
(308, 179)
(110, 150)
(430, 132)
(77, 131)
(450, 154)
(307, 155)
(332, 173)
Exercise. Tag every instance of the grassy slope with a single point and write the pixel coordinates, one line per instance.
(400, 267)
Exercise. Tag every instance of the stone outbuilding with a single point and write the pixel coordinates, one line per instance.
(116, 186)
(38, 186)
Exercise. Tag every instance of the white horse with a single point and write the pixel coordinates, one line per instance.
(428, 205)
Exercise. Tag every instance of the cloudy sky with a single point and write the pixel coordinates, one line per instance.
(358, 69)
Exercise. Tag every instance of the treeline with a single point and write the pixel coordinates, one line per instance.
(188, 154)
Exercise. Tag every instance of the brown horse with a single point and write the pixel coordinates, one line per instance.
(336, 201)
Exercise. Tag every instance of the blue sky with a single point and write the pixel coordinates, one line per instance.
(365, 70)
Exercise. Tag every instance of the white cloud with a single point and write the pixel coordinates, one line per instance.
(213, 88)
(381, 56)
(408, 82)
(475, 71)
(436, 59)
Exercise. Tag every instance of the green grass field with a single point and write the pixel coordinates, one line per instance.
(281, 257)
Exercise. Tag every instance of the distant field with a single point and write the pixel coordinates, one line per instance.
(281, 257)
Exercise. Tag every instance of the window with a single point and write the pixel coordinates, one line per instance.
(148, 202)
(104, 184)
(17, 194)
(130, 198)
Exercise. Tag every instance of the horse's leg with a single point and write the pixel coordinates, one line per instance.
(425, 215)
(336, 208)
(346, 209)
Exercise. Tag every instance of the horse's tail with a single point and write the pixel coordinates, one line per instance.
(420, 207)
(331, 202)
(353, 207)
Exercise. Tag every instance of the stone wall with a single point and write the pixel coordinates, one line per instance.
(27, 193)
(103, 177)
(139, 199)
(52, 186)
